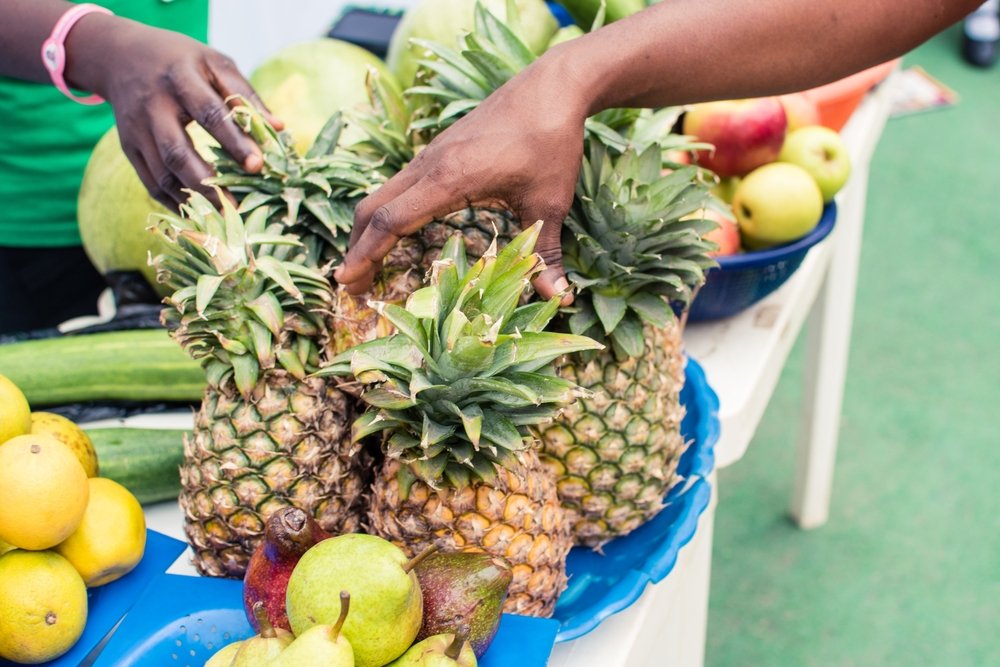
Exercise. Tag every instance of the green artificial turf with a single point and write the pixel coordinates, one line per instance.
(907, 571)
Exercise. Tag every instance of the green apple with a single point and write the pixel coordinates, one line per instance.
(726, 188)
(775, 204)
(822, 152)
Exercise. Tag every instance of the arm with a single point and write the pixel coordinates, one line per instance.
(156, 81)
(521, 147)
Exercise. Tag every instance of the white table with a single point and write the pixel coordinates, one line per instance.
(743, 357)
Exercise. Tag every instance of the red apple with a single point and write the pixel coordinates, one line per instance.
(800, 109)
(746, 133)
(726, 235)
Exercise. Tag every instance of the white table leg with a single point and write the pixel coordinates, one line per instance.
(829, 338)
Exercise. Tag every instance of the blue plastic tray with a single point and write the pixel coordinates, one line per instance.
(742, 280)
(601, 585)
(107, 604)
(183, 620)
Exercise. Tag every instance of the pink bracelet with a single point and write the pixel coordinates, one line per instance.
(54, 49)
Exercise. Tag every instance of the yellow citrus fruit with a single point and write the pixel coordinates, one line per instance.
(112, 536)
(4, 547)
(68, 433)
(15, 415)
(43, 492)
(43, 606)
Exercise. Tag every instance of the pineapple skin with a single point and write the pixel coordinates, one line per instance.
(615, 454)
(288, 445)
(518, 518)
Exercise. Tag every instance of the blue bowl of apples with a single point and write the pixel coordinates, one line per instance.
(743, 279)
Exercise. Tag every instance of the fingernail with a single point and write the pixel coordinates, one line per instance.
(562, 284)
(253, 163)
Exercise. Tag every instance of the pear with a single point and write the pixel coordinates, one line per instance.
(320, 645)
(463, 589)
(386, 604)
(224, 656)
(447, 650)
(264, 647)
(288, 533)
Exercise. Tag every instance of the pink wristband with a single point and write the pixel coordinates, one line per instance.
(54, 49)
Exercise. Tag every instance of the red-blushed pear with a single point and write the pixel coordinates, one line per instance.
(823, 153)
(726, 235)
(800, 109)
(288, 534)
(775, 204)
(746, 133)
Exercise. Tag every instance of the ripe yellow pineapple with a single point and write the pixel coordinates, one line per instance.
(452, 395)
(267, 436)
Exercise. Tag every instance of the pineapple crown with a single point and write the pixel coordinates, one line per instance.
(312, 195)
(245, 301)
(385, 124)
(488, 57)
(630, 245)
(454, 391)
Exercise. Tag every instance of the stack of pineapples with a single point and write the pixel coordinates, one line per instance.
(489, 432)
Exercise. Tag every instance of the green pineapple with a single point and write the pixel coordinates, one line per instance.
(453, 395)
(635, 253)
(630, 256)
(268, 434)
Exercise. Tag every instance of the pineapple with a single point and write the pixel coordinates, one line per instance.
(268, 435)
(453, 394)
(312, 196)
(631, 258)
(635, 254)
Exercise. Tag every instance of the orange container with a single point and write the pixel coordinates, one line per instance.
(838, 100)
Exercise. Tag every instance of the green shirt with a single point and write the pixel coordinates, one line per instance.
(46, 138)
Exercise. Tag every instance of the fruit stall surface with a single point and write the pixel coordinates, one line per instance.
(627, 596)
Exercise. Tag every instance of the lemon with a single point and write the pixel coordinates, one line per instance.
(15, 415)
(4, 547)
(68, 433)
(43, 492)
(112, 536)
(43, 606)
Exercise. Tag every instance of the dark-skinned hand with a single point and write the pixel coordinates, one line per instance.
(157, 82)
(509, 153)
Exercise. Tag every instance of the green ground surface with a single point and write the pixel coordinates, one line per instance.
(907, 572)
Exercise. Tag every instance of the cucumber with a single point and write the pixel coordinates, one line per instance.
(145, 461)
(140, 365)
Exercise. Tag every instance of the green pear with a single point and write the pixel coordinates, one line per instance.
(224, 656)
(386, 603)
(262, 648)
(448, 650)
(320, 645)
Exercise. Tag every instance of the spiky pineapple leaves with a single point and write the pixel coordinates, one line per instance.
(628, 247)
(454, 390)
(246, 300)
(312, 196)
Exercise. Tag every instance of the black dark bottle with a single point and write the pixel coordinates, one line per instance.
(981, 34)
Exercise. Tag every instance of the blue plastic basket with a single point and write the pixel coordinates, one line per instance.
(181, 620)
(742, 280)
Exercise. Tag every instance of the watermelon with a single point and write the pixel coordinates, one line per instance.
(306, 83)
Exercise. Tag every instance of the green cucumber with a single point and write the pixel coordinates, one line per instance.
(140, 365)
(145, 461)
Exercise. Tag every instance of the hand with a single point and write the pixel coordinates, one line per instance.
(158, 81)
(520, 150)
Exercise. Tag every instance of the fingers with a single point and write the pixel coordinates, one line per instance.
(398, 217)
(552, 280)
(227, 79)
(391, 189)
(198, 99)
